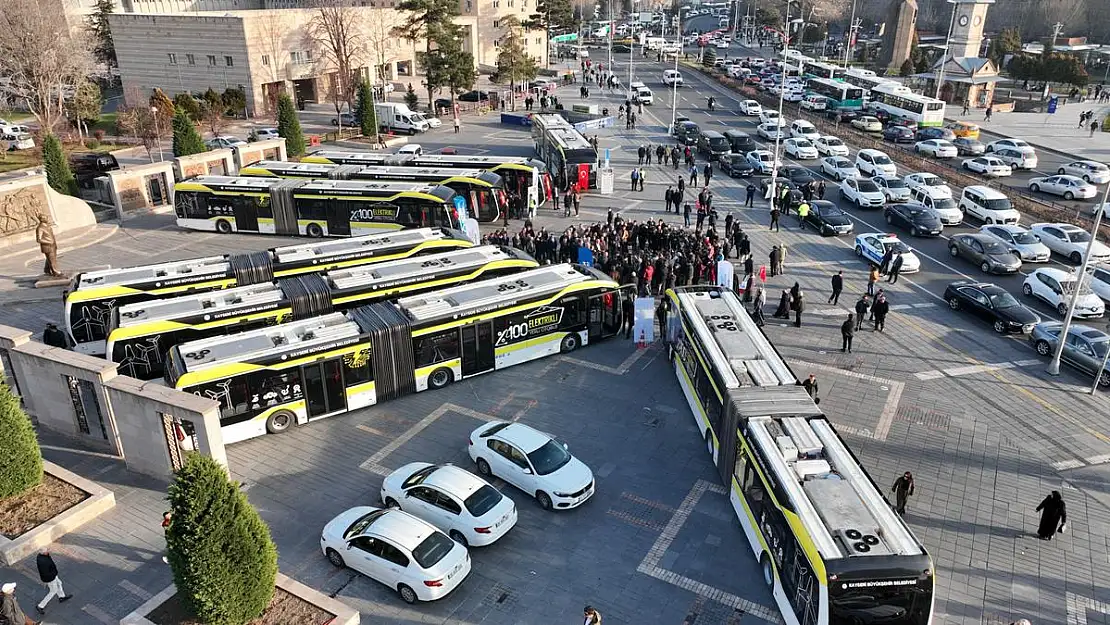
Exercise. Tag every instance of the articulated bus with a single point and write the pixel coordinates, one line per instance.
(573, 159)
(831, 548)
(94, 295)
(142, 333)
(315, 208)
(839, 95)
(524, 177)
(817, 69)
(483, 190)
(865, 79)
(269, 379)
(897, 100)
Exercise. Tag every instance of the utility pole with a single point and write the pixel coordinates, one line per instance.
(947, 49)
(850, 43)
(1057, 28)
(782, 93)
(674, 87)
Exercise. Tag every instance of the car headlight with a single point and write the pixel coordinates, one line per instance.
(558, 494)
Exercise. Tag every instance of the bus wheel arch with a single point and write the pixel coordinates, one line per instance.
(280, 421)
(440, 378)
(569, 343)
(314, 230)
(223, 226)
(768, 570)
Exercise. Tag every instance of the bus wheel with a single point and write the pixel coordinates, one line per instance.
(708, 436)
(280, 421)
(570, 343)
(768, 570)
(223, 227)
(440, 378)
(314, 231)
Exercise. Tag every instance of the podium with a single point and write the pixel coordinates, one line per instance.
(605, 181)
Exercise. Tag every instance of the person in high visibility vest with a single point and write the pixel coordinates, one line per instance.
(803, 210)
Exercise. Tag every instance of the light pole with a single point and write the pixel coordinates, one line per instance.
(947, 47)
(157, 132)
(782, 93)
(1105, 359)
(1054, 364)
(674, 87)
(631, 47)
(850, 43)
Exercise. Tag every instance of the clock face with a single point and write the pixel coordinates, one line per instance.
(978, 20)
(963, 20)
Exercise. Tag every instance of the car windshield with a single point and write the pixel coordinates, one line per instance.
(549, 458)
(432, 549)
(842, 163)
(766, 158)
(894, 183)
(483, 500)
(944, 204)
(994, 247)
(932, 181)
(1079, 236)
(916, 211)
(883, 159)
(866, 186)
(364, 521)
(833, 141)
(997, 204)
(1003, 300)
(1024, 237)
(802, 143)
(897, 246)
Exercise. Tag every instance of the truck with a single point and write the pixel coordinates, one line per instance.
(398, 117)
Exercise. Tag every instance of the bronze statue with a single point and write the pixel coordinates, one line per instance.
(44, 235)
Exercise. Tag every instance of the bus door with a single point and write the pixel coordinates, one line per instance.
(245, 211)
(339, 218)
(477, 348)
(324, 391)
(605, 314)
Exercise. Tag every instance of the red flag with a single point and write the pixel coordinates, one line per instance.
(763, 273)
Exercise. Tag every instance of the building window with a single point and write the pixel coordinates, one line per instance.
(229, 61)
(496, 23)
(510, 4)
(469, 7)
(173, 58)
(308, 56)
(212, 60)
(190, 59)
(496, 4)
(266, 60)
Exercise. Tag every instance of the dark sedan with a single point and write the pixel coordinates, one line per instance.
(935, 132)
(919, 219)
(992, 303)
(828, 219)
(898, 134)
(841, 116)
(984, 250)
(797, 174)
(969, 147)
(474, 96)
(736, 165)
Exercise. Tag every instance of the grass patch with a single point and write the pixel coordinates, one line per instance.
(107, 123)
(17, 117)
(22, 159)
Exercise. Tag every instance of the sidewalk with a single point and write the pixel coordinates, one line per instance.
(1058, 132)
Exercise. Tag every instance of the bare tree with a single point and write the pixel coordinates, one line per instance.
(337, 31)
(382, 41)
(41, 58)
(138, 120)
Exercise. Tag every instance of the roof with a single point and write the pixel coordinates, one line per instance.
(401, 528)
(523, 436)
(454, 480)
(1053, 272)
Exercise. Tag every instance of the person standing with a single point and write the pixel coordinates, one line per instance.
(641, 179)
(872, 278)
(750, 199)
(862, 306)
(847, 333)
(821, 190)
(693, 175)
(456, 124)
(48, 573)
(744, 246)
(647, 155)
(628, 313)
(902, 489)
(803, 211)
(635, 176)
(707, 172)
(686, 214)
(577, 200)
(799, 308)
(810, 385)
(884, 263)
(760, 302)
(837, 287)
(749, 265)
(1054, 516)
(9, 608)
(895, 268)
(990, 111)
(591, 616)
(48, 245)
(668, 197)
(54, 337)
(880, 308)
(773, 258)
(774, 219)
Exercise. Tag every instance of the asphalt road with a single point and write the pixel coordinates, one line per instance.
(938, 268)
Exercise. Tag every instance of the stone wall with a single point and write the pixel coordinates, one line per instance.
(142, 189)
(269, 150)
(213, 162)
(24, 198)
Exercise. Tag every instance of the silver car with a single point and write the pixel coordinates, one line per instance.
(1023, 243)
(1085, 348)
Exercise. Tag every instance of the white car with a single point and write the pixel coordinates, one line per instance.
(672, 77)
(722, 44)
(397, 549)
(433, 122)
(225, 141)
(875, 163)
(793, 95)
(938, 148)
(874, 245)
(264, 134)
(532, 461)
(1016, 158)
(1070, 242)
(750, 107)
(862, 192)
(1055, 286)
(990, 166)
(893, 188)
(934, 182)
(1090, 171)
(771, 131)
(839, 168)
(472, 512)
(1067, 187)
(770, 117)
(815, 103)
(645, 95)
(762, 161)
(1023, 243)
(805, 130)
(867, 123)
(800, 149)
(828, 145)
(1100, 281)
(1016, 144)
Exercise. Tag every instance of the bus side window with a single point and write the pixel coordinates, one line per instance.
(231, 394)
(572, 312)
(357, 367)
(439, 347)
(312, 208)
(674, 326)
(191, 205)
(409, 215)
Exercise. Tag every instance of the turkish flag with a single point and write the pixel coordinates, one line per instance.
(763, 273)
(583, 176)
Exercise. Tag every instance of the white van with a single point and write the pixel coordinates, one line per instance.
(641, 93)
(934, 198)
(396, 116)
(654, 43)
(19, 141)
(988, 205)
(672, 77)
(804, 130)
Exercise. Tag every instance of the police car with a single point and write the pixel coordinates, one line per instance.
(874, 245)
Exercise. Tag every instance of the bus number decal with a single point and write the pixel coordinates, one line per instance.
(377, 213)
(522, 327)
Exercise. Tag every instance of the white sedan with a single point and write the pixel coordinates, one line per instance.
(1067, 187)
(1054, 287)
(750, 107)
(867, 123)
(893, 187)
(1015, 144)
(763, 161)
(838, 167)
(936, 185)
(988, 166)
(874, 245)
(1070, 242)
(1090, 171)
(793, 95)
(828, 145)
(938, 148)
(862, 192)
(456, 501)
(397, 549)
(771, 131)
(800, 149)
(532, 461)
(770, 117)
(1023, 243)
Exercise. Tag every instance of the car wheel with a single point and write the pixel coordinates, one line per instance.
(954, 303)
(1034, 187)
(1104, 379)
(953, 250)
(1043, 348)
(544, 500)
(1027, 290)
(859, 251)
(457, 536)
(483, 468)
(280, 421)
(314, 231)
(569, 344)
(223, 226)
(408, 595)
(1000, 326)
(440, 378)
(913, 231)
(1062, 309)
(1075, 257)
(335, 558)
(889, 219)
(966, 166)
(1069, 196)
(391, 503)
(985, 267)
(1087, 179)
(1060, 171)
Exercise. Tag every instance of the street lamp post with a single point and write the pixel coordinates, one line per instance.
(1054, 364)
(782, 93)
(632, 47)
(674, 86)
(849, 44)
(947, 47)
(157, 133)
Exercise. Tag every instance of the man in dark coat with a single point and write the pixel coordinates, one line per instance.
(884, 264)
(902, 489)
(749, 199)
(1054, 516)
(862, 306)
(895, 268)
(810, 385)
(54, 337)
(799, 308)
(10, 611)
(847, 333)
(774, 259)
(668, 198)
(749, 266)
(880, 308)
(48, 573)
(774, 219)
(640, 153)
(837, 286)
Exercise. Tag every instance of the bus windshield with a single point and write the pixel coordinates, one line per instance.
(901, 604)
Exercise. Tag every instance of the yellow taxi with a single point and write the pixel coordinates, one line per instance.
(966, 130)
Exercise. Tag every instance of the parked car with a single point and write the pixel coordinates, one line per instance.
(828, 145)
(872, 246)
(867, 123)
(938, 148)
(1054, 287)
(88, 166)
(875, 163)
(898, 134)
(771, 131)
(535, 462)
(1085, 348)
(969, 147)
(1016, 158)
(1090, 171)
(838, 167)
(984, 250)
(736, 165)
(762, 161)
(936, 184)
(346, 118)
(893, 188)
(862, 192)
(750, 107)
(1070, 242)
(473, 96)
(934, 132)
(800, 149)
(993, 303)
(263, 134)
(989, 166)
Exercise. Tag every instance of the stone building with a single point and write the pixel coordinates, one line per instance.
(966, 75)
(901, 20)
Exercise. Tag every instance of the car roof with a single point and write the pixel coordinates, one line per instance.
(978, 236)
(1007, 227)
(871, 151)
(523, 436)
(454, 480)
(401, 528)
(1053, 272)
(986, 287)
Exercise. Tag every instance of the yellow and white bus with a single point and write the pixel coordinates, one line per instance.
(270, 379)
(831, 549)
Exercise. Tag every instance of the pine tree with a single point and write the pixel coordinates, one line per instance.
(411, 99)
(223, 560)
(364, 111)
(58, 174)
(432, 21)
(186, 139)
(104, 47)
(20, 457)
(907, 68)
(709, 56)
(186, 102)
(514, 64)
(289, 127)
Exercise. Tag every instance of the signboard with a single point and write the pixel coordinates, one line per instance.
(1053, 102)
(600, 122)
(585, 256)
(724, 274)
(567, 38)
(588, 109)
(643, 324)
(645, 17)
(605, 181)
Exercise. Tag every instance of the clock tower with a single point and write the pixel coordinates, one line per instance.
(967, 27)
